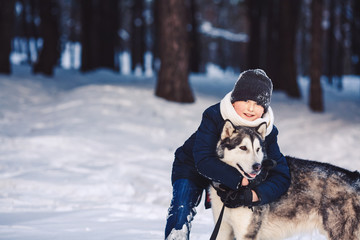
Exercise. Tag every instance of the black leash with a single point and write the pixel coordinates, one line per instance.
(218, 223)
(267, 165)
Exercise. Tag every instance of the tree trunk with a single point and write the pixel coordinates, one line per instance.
(86, 36)
(156, 35)
(194, 39)
(355, 39)
(6, 24)
(304, 43)
(272, 66)
(288, 29)
(137, 35)
(254, 11)
(339, 65)
(99, 33)
(107, 33)
(50, 52)
(173, 81)
(25, 26)
(330, 45)
(316, 96)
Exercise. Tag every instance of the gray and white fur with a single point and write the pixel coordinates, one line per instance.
(321, 196)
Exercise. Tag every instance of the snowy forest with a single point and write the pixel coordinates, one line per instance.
(97, 95)
(286, 38)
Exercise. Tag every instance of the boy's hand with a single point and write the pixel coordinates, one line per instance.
(266, 166)
(245, 182)
(236, 198)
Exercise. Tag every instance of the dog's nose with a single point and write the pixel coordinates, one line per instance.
(257, 167)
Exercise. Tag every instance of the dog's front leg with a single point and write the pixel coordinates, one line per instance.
(225, 232)
(240, 220)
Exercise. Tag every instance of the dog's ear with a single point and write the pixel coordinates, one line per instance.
(261, 129)
(228, 129)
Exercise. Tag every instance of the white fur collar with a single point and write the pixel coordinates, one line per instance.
(228, 112)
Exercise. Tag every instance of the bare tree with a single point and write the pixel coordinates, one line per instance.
(6, 23)
(173, 81)
(316, 96)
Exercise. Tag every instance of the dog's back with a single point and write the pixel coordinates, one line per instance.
(320, 196)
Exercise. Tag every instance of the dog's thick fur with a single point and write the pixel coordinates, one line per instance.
(321, 196)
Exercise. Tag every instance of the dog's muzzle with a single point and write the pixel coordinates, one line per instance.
(256, 170)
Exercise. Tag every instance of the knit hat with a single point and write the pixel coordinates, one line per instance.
(253, 85)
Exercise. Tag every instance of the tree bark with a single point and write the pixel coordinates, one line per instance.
(137, 35)
(107, 35)
(173, 81)
(6, 24)
(331, 40)
(86, 36)
(254, 11)
(99, 33)
(288, 29)
(355, 38)
(50, 52)
(316, 96)
(25, 15)
(272, 66)
(156, 35)
(340, 53)
(304, 43)
(195, 57)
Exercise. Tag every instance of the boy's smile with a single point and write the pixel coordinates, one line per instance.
(248, 110)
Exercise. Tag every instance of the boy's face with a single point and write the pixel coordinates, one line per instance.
(248, 110)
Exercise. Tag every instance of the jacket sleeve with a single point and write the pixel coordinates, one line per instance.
(206, 161)
(278, 180)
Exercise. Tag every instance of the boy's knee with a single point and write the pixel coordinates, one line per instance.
(181, 214)
(178, 222)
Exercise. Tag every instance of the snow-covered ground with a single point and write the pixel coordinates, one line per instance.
(88, 156)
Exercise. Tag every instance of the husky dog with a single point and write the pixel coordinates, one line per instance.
(321, 196)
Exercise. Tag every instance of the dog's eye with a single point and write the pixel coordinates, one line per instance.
(243, 148)
(258, 149)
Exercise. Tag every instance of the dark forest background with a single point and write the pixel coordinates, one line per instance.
(286, 38)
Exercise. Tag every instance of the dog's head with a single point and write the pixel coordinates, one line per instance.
(243, 148)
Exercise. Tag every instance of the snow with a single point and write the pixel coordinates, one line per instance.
(208, 29)
(89, 156)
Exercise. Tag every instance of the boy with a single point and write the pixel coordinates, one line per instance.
(196, 163)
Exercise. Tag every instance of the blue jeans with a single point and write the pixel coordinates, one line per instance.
(186, 196)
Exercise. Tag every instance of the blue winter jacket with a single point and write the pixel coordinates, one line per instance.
(197, 160)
